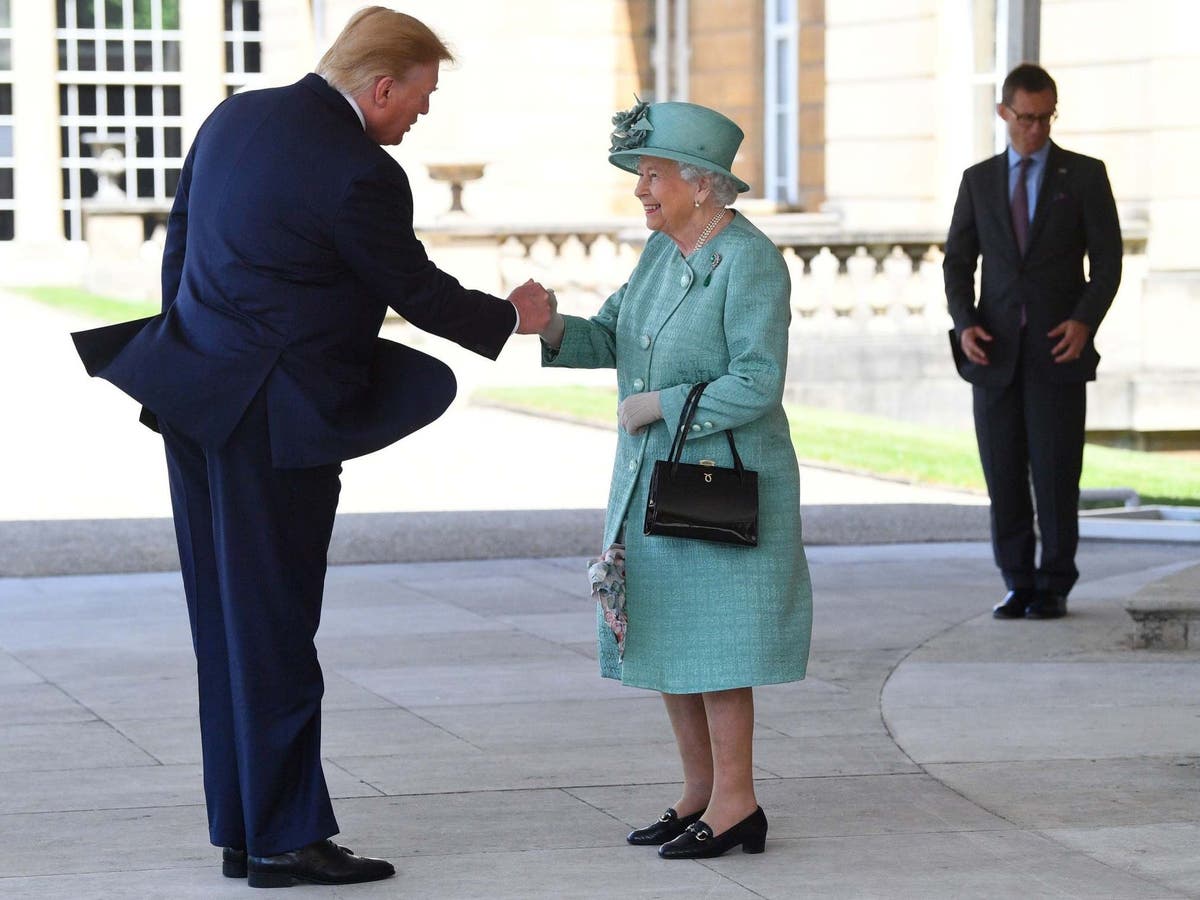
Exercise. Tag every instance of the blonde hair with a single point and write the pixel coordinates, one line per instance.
(379, 41)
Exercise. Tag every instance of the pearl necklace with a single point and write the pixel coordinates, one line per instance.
(708, 229)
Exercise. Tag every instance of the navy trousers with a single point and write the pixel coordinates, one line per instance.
(253, 541)
(1033, 431)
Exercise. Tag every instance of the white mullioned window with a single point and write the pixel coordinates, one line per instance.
(243, 43)
(119, 86)
(781, 116)
(7, 166)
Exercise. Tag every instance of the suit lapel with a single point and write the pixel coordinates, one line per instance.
(1055, 173)
(1003, 204)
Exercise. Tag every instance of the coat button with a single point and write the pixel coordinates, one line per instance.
(638, 384)
(685, 279)
(645, 341)
(695, 428)
(708, 425)
(633, 465)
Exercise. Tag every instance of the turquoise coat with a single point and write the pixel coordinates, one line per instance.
(703, 616)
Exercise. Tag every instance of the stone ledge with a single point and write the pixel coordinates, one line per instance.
(99, 546)
(1166, 614)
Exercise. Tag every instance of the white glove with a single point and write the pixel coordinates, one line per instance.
(639, 410)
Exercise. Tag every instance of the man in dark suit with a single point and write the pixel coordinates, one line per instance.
(290, 235)
(1033, 213)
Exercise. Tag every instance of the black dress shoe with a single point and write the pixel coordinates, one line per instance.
(322, 862)
(1014, 604)
(1047, 605)
(668, 827)
(233, 862)
(699, 842)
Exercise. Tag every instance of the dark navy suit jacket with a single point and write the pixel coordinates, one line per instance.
(290, 235)
(1075, 216)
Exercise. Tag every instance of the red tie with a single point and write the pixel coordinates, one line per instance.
(1020, 205)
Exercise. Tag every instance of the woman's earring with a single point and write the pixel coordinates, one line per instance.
(697, 204)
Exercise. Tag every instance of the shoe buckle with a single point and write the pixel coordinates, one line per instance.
(700, 833)
(665, 817)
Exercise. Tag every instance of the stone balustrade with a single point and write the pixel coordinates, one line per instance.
(886, 275)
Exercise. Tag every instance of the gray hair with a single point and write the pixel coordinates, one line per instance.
(723, 188)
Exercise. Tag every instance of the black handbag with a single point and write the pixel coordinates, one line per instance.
(705, 502)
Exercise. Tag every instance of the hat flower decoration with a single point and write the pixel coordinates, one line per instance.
(632, 127)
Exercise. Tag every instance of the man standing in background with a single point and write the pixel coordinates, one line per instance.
(1032, 213)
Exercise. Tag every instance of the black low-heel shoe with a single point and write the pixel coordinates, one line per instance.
(233, 862)
(699, 842)
(668, 827)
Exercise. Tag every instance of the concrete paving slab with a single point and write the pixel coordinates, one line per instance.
(1048, 685)
(39, 704)
(512, 682)
(431, 825)
(131, 696)
(72, 745)
(194, 883)
(938, 866)
(14, 672)
(533, 726)
(106, 840)
(851, 754)
(395, 651)
(991, 735)
(565, 874)
(647, 762)
(81, 790)
(1165, 853)
(1080, 793)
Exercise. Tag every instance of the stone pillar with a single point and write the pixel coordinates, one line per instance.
(35, 135)
(203, 84)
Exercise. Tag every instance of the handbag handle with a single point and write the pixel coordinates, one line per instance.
(686, 415)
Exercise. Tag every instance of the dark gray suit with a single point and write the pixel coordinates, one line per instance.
(1030, 410)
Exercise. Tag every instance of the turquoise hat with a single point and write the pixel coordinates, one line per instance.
(684, 132)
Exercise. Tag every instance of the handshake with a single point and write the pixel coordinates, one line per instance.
(537, 309)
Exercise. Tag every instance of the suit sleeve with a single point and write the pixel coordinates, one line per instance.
(374, 235)
(1104, 250)
(961, 258)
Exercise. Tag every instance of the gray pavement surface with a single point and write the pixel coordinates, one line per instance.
(931, 753)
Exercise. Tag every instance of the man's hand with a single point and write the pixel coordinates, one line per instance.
(639, 410)
(535, 307)
(1073, 337)
(971, 346)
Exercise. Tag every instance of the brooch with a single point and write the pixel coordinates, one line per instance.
(713, 262)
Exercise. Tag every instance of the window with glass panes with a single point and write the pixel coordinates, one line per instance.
(243, 46)
(7, 211)
(119, 85)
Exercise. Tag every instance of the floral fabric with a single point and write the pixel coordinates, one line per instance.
(607, 575)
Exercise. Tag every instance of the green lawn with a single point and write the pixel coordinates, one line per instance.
(76, 300)
(869, 444)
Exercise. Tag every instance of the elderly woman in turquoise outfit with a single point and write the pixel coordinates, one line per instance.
(703, 623)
